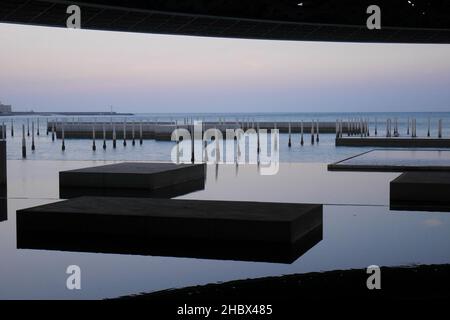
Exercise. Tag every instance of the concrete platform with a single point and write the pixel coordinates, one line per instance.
(3, 155)
(393, 142)
(171, 220)
(133, 179)
(400, 160)
(177, 190)
(421, 191)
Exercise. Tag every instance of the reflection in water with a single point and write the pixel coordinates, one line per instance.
(240, 251)
(41, 237)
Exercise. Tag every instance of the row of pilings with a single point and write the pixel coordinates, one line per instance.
(361, 127)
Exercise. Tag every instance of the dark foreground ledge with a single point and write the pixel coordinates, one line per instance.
(425, 282)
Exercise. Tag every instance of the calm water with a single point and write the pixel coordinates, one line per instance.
(358, 230)
(153, 150)
(358, 227)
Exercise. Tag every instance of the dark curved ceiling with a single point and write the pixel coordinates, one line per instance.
(403, 21)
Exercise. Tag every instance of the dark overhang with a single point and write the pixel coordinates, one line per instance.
(403, 21)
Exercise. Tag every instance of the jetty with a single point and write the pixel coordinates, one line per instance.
(162, 130)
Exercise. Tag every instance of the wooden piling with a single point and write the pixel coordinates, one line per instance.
(140, 132)
(53, 130)
(133, 142)
(258, 150)
(104, 136)
(33, 147)
(440, 128)
(63, 147)
(289, 142)
(301, 133)
(94, 147)
(192, 144)
(317, 131)
(125, 133)
(24, 148)
(114, 135)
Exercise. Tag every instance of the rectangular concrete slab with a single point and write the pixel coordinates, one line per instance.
(129, 179)
(428, 191)
(175, 219)
(393, 142)
(3, 172)
(396, 160)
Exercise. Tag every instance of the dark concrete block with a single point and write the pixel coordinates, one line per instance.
(393, 142)
(133, 179)
(421, 191)
(396, 160)
(3, 172)
(174, 220)
(173, 191)
(3, 206)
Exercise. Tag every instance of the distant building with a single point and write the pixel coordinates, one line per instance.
(4, 108)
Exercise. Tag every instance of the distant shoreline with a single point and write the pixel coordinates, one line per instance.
(62, 113)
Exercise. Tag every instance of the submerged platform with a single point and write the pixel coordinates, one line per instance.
(393, 142)
(421, 191)
(172, 220)
(389, 160)
(133, 179)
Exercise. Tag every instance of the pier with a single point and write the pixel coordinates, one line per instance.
(163, 130)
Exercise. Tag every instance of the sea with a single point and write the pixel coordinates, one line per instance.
(323, 152)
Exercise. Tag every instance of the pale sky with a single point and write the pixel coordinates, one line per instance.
(51, 69)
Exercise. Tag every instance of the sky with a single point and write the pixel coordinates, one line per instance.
(52, 69)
